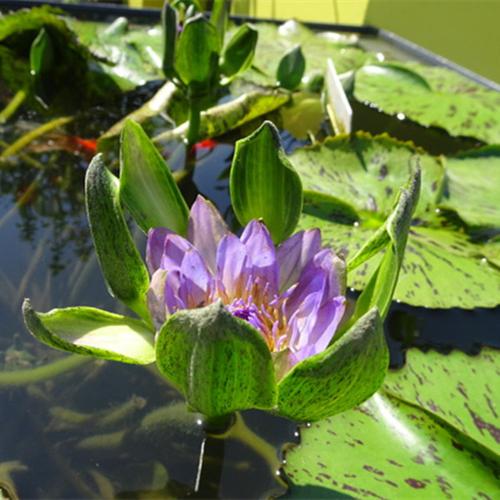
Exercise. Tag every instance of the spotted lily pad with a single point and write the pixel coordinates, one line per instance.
(469, 405)
(274, 41)
(473, 186)
(433, 97)
(389, 448)
(349, 187)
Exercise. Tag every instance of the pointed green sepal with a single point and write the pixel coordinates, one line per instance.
(238, 54)
(393, 236)
(147, 186)
(93, 332)
(122, 266)
(339, 378)
(291, 69)
(263, 183)
(219, 362)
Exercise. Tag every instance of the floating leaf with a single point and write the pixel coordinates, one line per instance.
(90, 331)
(219, 362)
(146, 183)
(263, 183)
(129, 59)
(438, 99)
(442, 267)
(121, 264)
(473, 186)
(468, 399)
(339, 378)
(407, 440)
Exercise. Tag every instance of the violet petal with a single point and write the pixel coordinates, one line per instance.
(205, 230)
(327, 260)
(196, 281)
(232, 268)
(317, 338)
(294, 254)
(262, 256)
(156, 297)
(174, 249)
(154, 247)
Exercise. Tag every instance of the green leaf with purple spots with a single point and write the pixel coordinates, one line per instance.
(349, 187)
(468, 401)
(386, 448)
(435, 97)
(472, 187)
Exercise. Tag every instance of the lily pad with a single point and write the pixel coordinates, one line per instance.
(389, 448)
(274, 41)
(473, 186)
(349, 187)
(435, 97)
(131, 56)
(468, 399)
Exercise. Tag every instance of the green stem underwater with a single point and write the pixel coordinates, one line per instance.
(42, 373)
(13, 105)
(32, 135)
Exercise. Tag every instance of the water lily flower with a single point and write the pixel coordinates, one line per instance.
(294, 295)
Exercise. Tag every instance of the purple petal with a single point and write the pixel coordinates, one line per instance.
(232, 267)
(262, 256)
(174, 249)
(303, 320)
(334, 266)
(294, 254)
(196, 281)
(206, 229)
(173, 301)
(156, 297)
(154, 247)
(316, 336)
(313, 280)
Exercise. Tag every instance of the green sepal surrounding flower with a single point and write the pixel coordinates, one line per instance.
(169, 25)
(197, 52)
(339, 378)
(122, 266)
(93, 332)
(238, 54)
(147, 186)
(263, 183)
(219, 362)
(291, 69)
(393, 235)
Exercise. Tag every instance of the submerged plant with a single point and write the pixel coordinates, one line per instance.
(234, 323)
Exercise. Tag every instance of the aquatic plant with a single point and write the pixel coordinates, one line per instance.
(234, 323)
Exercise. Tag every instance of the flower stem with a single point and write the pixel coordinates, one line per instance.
(194, 120)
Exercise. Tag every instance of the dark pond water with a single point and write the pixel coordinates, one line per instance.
(109, 430)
